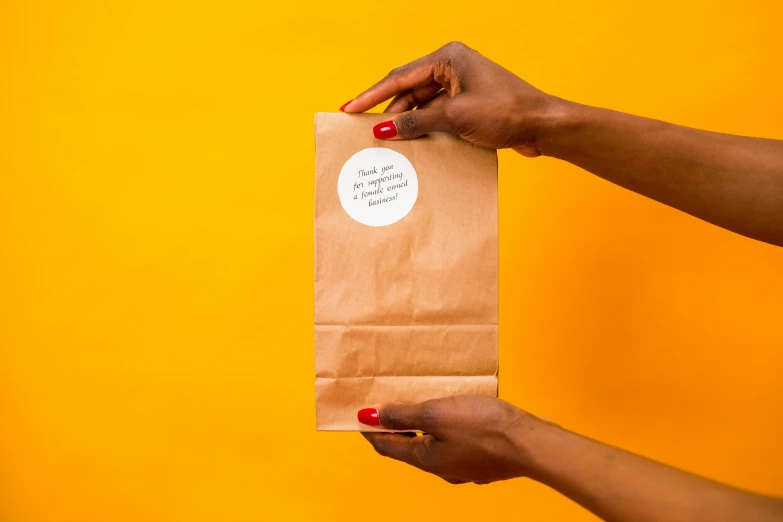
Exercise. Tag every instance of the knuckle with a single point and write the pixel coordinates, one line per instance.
(429, 414)
(424, 458)
(397, 71)
(408, 125)
(453, 481)
(454, 52)
(451, 111)
(457, 55)
(455, 47)
(381, 448)
(390, 417)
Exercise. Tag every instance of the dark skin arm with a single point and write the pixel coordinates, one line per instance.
(732, 181)
(483, 439)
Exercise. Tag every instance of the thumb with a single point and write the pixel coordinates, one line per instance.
(413, 124)
(399, 416)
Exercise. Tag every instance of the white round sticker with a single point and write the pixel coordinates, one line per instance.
(377, 187)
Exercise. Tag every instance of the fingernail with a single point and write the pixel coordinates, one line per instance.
(346, 104)
(385, 130)
(369, 416)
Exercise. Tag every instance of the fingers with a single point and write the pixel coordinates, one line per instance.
(408, 76)
(452, 480)
(413, 124)
(397, 81)
(416, 451)
(400, 416)
(416, 73)
(408, 100)
(421, 452)
(436, 100)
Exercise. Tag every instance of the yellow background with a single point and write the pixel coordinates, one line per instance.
(156, 205)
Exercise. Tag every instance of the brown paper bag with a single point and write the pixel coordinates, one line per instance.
(406, 269)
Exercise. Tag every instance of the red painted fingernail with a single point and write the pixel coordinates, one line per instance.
(342, 109)
(369, 416)
(385, 130)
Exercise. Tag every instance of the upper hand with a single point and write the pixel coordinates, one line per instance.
(455, 89)
(468, 438)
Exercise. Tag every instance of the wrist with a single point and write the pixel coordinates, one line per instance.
(529, 435)
(558, 119)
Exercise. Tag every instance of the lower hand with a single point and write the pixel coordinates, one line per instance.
(468, 438)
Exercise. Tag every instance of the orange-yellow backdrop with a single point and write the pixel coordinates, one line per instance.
(156, 205)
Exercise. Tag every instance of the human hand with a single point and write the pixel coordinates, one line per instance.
(457, 90)
(467, 438)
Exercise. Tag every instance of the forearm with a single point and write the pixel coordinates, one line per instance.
(619, 486)
(731, 181)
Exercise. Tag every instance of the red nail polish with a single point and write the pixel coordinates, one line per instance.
(369, 416)
(342, 109)
(385, 130)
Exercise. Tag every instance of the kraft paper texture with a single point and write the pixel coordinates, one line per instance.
(409, 311)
